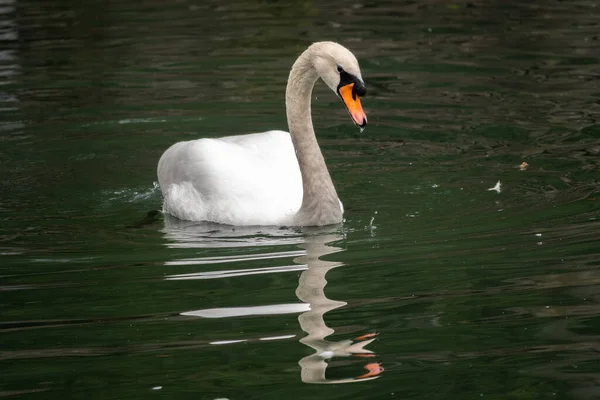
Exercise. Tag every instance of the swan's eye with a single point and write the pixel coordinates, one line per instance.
(340, 69)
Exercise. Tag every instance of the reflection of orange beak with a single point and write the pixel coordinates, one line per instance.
(374, 370)
(365, 355)
(366, 336)
(352, 102)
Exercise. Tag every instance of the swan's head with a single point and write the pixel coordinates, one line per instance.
(338, 68)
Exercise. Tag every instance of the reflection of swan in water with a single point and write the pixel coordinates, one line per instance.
(311, 289)
(311, 285)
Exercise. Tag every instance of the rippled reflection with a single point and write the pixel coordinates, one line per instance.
(310, 291)
(10, 68)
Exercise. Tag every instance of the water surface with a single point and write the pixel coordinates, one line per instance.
(454, 290)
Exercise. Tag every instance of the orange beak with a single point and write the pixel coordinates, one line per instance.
(352, 102)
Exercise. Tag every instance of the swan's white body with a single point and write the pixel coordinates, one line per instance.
(239, 180)
(269, 178)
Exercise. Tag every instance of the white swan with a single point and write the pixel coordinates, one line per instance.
(269, 178)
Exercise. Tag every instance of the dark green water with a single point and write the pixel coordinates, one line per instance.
(474, 293)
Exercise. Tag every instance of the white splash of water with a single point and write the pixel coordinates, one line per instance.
(134, 196)
(372, 227)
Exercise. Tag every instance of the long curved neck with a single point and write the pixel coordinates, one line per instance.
(320, 204)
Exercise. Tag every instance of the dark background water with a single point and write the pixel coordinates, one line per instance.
(474, 293)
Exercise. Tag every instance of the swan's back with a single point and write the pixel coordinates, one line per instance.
(243, 180)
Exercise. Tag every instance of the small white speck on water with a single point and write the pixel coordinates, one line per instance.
(157, 388)
(497, 188)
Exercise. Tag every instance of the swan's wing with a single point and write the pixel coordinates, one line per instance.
(270, 143)
(255, 166)
(244, 178)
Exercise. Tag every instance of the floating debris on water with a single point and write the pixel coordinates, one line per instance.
(524, 166)
(497, 188)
